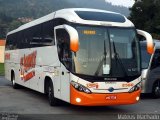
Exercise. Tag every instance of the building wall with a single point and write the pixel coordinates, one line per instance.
(2, 48)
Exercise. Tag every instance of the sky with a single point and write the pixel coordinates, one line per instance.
(126, 3)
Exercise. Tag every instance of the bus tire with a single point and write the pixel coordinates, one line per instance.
(50, 90)
(156, 89)
(14, 84)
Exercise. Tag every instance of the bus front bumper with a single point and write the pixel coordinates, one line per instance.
(84, 99)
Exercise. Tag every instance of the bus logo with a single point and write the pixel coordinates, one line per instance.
(127, 85)
(27, 63)
(111, 89)
(92, 85)
(7, 56)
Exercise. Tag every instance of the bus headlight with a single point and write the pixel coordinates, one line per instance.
(80, 87)
(136, 87)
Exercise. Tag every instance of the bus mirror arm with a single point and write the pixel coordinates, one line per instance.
(75, 54)
(150, 44)
(74, 38)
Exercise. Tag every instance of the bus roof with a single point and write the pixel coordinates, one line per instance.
(82, 16)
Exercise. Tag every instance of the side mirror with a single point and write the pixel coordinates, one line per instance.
(150, 44)
(74, 38)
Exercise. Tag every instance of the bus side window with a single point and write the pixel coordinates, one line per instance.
(8, 43)
(11, 42)
(48, 33)
(156, 59)
(36, 36)
(15, 41)
(21, 40)
(62, 38)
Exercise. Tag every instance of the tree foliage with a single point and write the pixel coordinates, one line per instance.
(13, 11)
(145, 14)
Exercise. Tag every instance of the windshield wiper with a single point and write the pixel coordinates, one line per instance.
(103, 60)
(116, 56)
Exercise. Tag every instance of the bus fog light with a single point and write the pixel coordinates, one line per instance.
(137, 98)
(78, 100)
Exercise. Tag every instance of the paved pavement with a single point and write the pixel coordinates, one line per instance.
(30, 104)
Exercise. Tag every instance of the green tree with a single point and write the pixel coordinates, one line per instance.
(14, 24)
(145, 14)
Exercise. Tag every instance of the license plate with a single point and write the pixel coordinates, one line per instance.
(111, 97)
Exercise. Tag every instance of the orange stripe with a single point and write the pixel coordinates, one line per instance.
(29, 76)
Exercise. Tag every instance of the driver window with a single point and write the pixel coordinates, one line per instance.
(63, 45)
(156, 59)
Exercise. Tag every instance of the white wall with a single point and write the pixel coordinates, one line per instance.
(2, 48)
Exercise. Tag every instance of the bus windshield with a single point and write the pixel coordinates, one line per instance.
(106, 52)
(145, 57)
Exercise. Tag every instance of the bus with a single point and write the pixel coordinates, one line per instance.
(151, 70)
(82, 56)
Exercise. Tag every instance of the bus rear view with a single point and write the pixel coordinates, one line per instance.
(95, 59)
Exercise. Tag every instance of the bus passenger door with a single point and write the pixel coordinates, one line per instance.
(62, 41)
(65, 84)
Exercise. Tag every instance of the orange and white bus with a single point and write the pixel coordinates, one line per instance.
(82, 56)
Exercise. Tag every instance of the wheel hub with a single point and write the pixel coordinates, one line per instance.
(157, 89)
(49, 92)
(13, 82)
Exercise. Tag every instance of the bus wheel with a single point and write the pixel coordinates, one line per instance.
(52, 100)
(156, 89)
(14, 85)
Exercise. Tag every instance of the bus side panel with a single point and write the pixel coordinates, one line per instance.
(11, 58)
(7, 70)
(46, 61)
(21, 68)
(48, 65)
(7, 65)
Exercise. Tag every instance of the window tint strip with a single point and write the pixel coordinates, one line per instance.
(100, 16)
